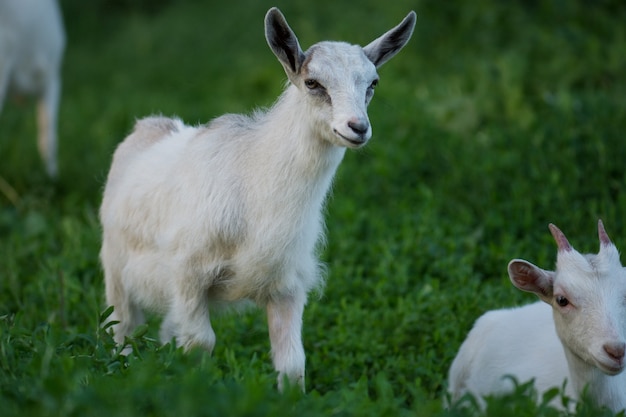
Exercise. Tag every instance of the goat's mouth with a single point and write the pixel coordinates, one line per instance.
(611, 366)
(355, 142)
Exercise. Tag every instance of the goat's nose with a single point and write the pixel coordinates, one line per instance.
(615, 350)
(359, 126)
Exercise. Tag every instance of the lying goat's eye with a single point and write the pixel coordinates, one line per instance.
(562, 301)
(374, 84)
(311, 84)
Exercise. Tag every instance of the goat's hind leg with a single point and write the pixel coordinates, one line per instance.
(188, 322)
(4, 83)
(126, 313)
(129, 317)
(47, 114)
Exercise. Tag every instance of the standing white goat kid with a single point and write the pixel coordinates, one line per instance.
(198, 217)
(31, 49)
(577, 332)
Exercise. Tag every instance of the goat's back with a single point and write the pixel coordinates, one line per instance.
(520, 342)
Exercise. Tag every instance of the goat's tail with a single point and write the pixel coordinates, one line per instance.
(146, 133)
(151, 129)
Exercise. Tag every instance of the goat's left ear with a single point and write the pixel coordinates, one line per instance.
(531, 278)
(283, 42)
(385, 47)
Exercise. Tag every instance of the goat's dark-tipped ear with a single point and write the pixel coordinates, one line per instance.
(385, 47)
(531, 278)
(283, 41)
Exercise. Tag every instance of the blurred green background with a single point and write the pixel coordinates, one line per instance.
(496, 119)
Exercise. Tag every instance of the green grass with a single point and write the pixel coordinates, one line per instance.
(497, 118)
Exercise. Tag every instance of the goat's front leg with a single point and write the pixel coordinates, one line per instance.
(284, 319)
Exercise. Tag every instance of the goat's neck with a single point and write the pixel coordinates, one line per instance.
(606, 390)
(298, 164)
(296, 138)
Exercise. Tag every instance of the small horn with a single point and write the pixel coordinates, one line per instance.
(561, 240)
(605, 240)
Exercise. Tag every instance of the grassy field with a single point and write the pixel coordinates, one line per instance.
(496, 119)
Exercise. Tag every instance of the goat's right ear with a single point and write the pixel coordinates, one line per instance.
(531, 278)
(283, 42)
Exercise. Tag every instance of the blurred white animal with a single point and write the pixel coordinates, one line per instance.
(198, 217)
(32, 41)
(577, 332)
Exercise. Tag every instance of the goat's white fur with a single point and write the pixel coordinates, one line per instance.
(195, 217)
(582, 342)
(32, 41)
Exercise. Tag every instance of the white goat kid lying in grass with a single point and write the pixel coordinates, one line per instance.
(577, 332)
(31, 49)
(198, 217)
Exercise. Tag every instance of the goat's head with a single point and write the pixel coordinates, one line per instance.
(588, 297)
(338, 79)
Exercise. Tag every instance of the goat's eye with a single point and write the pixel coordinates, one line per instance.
(562, 301)
(374, 84)
(311, 84)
